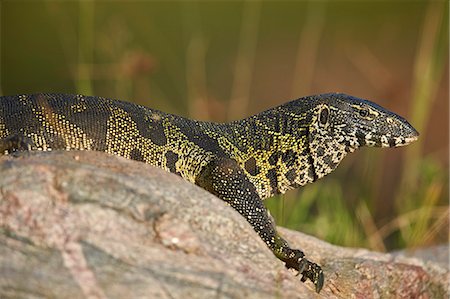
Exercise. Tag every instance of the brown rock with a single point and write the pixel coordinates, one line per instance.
(88, 225)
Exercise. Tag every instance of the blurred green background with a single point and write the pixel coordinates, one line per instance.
(223, 60)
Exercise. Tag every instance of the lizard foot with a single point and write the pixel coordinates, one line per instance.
(306, 268)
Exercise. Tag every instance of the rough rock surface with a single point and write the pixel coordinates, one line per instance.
(88, 225)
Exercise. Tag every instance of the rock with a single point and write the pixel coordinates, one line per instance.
(89, 225)
(438, 254)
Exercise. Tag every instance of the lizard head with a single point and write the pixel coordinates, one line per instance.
(356, 122)
(340, 124)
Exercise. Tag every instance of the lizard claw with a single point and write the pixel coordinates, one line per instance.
(302, 265)
(308, 269)
(319, 281)
(314, 273)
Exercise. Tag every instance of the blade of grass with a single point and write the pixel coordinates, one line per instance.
(308, 48)
(374, 239)
(240, 94)
(85, 47)
(423, 223)
(196, 64)
(406, 219)
(67, 33)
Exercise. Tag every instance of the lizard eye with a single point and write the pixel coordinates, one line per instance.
(363, 112)
(323, 117)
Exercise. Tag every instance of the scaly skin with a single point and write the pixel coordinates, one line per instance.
(242, 162)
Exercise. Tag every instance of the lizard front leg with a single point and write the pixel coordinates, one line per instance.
(224, 178)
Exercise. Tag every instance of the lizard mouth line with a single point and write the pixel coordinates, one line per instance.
(407, 141)
(310, 156)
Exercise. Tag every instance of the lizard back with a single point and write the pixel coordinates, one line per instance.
(73, 122)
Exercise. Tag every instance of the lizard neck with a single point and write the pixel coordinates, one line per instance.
(280, 150)
(273, 149)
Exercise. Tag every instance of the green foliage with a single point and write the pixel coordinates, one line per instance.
(321, 210)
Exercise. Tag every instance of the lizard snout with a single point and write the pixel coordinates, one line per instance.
(395, 131)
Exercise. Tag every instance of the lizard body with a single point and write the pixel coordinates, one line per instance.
(242, 162)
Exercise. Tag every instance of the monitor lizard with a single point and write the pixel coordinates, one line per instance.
(242, 162)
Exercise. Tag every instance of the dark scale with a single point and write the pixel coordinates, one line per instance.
(137, 155)
(171, 159)
(289, 157)
(242, 162)
(251, 167)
